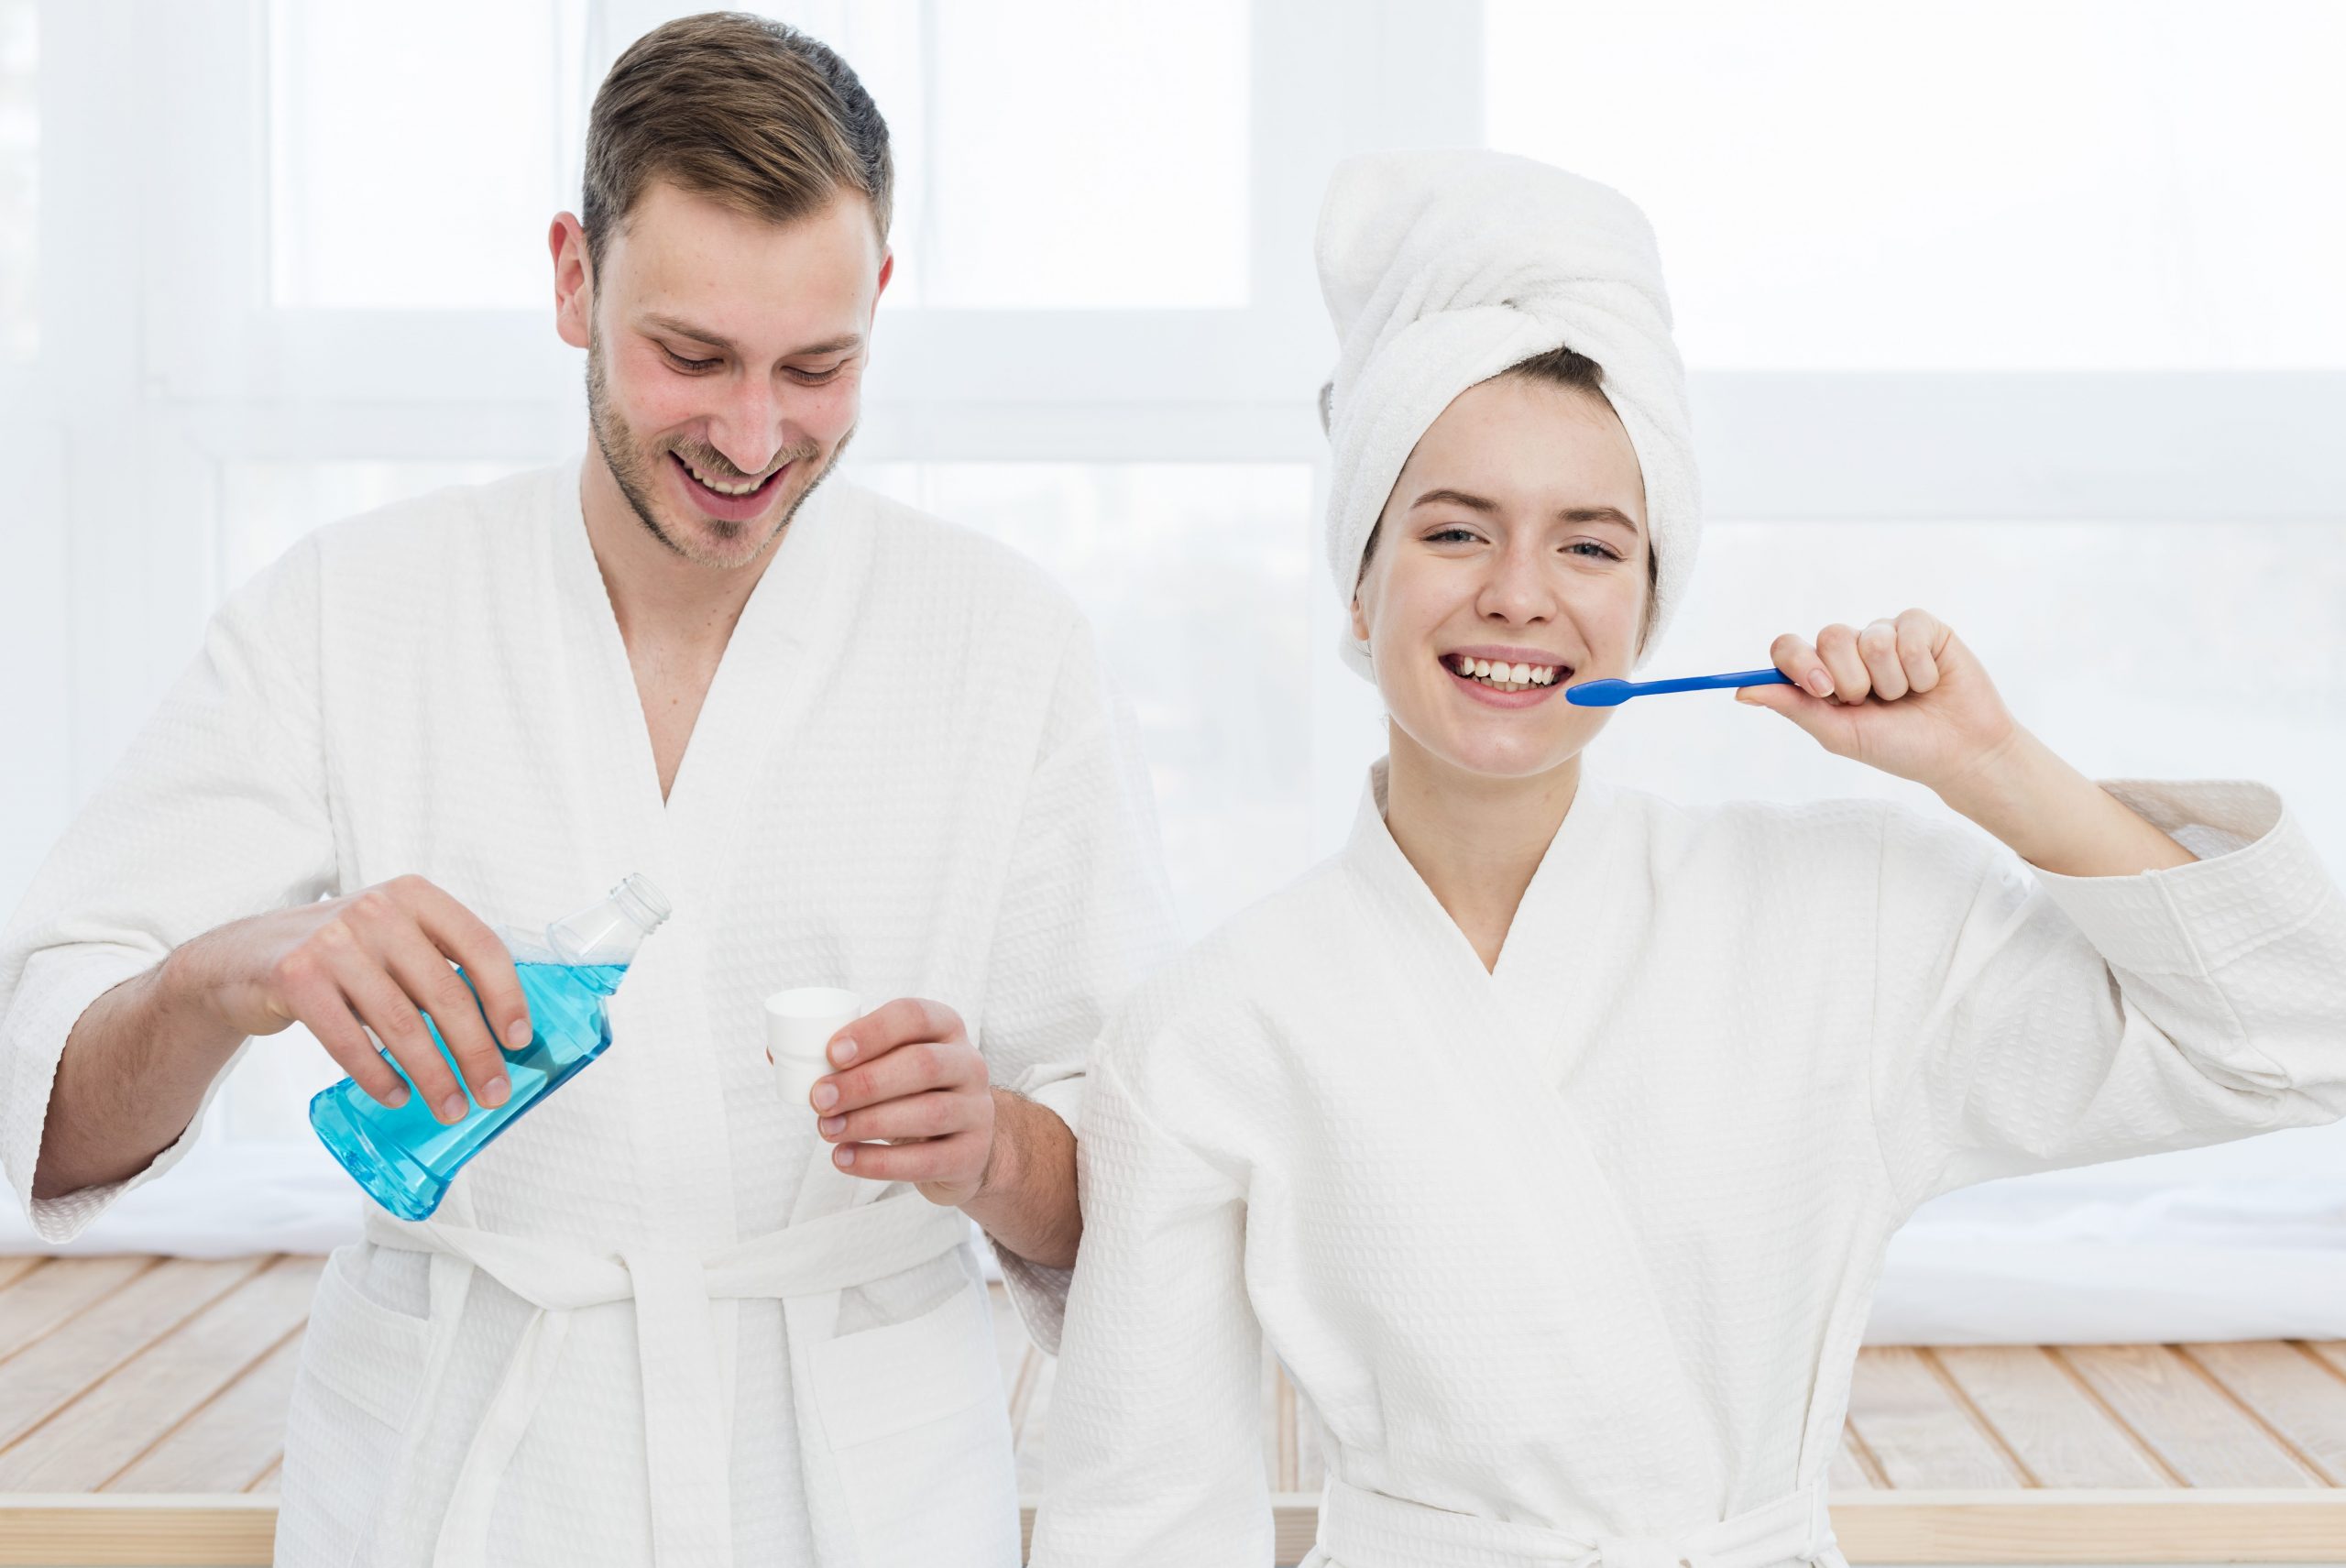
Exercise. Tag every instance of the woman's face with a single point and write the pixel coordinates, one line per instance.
(1516, 535)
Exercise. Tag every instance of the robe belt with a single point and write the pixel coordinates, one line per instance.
(1368, 1529)
(686, 1434)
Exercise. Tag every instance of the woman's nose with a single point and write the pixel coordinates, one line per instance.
(1518, 589)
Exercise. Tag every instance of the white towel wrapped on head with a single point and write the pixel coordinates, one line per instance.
(1442, 269)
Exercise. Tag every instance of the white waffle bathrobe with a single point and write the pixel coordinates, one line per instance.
(1571, 1259)
(909, 779)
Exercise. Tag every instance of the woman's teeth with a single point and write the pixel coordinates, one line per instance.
(1502, 677)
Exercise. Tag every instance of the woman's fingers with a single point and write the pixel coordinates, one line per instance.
(1921, 635)
(1798, 661)
(1838, 646)
(1878, 646)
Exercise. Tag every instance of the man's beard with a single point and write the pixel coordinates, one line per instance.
(631, 471)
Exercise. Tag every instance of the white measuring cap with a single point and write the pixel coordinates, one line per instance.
(799, 1024)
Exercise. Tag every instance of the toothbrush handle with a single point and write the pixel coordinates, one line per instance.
(1708, 683)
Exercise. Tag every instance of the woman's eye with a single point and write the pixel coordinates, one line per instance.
(816, 377)
(681, 363)
(1598, 551)
(1451, 534)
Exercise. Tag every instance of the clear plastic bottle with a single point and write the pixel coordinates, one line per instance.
(406, 1158)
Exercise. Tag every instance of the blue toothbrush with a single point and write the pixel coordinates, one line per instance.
(1613, 693)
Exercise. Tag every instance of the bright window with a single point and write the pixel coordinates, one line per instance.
(2013, 185)
(19, 171)
(2135, 650)
(1050, 155)
(1197, 578)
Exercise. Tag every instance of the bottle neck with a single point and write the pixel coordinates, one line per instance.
(607, 934)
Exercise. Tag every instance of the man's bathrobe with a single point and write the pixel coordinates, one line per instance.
(1571, 1257)
(652, 1322)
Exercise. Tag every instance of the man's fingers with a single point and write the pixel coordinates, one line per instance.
(935, 1114)
(466, 937)
(423, 971)
(384, 1007)
(909, 1068)
(905, 1021)
(957, 1158)
(318, 1006)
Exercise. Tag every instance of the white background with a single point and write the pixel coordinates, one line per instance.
(2029, 314)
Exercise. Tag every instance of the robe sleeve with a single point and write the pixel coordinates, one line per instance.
(2026, 1021)
(1085, 914)
(1156, 1449)
(217, 811)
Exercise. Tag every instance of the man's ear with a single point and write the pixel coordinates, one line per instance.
(574, 283)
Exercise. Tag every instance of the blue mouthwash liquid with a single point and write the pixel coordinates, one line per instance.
(406, 1158)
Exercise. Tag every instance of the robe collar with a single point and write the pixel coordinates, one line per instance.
(1545, 932)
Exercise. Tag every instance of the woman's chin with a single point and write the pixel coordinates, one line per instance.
(1507, 756)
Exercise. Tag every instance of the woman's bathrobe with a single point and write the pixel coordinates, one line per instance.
(1571, 1257)
(652, 1322)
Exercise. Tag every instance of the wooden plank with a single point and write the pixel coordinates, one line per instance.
(2057, 1431)
(83, 1531)
(2330, 1352)
(2298, 1397)
(2048, 1525)
(269, 1480)
(168, 1380)
(1849, 1471)
(60, 1287)
(162, 1385)
(1282, 1421)
(2196, 1432)
(232, 1443)
(1917, 1430)
(58, 1367)
(2064, 1527)
(15, 1268)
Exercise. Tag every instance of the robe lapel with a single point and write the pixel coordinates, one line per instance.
(1514, 1025)
(790, 634)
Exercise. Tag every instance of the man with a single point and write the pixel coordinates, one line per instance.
(666, 1317)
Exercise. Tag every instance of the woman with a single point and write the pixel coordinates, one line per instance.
(1552, 1134)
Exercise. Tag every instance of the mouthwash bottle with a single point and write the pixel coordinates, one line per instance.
(406, 1158)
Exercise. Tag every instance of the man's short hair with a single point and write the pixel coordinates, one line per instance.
(744, 110)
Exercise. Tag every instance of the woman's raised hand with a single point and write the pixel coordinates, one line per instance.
(1903, 694)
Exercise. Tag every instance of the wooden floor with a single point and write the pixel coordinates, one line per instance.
(142, 1406)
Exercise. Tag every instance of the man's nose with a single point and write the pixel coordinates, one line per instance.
(747, 429)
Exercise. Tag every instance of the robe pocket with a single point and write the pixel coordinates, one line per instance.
(361, 1367)
(371, 1355)
(919, 1432)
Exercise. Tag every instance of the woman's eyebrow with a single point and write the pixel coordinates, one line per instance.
(1455, 498)
(1614, 515)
